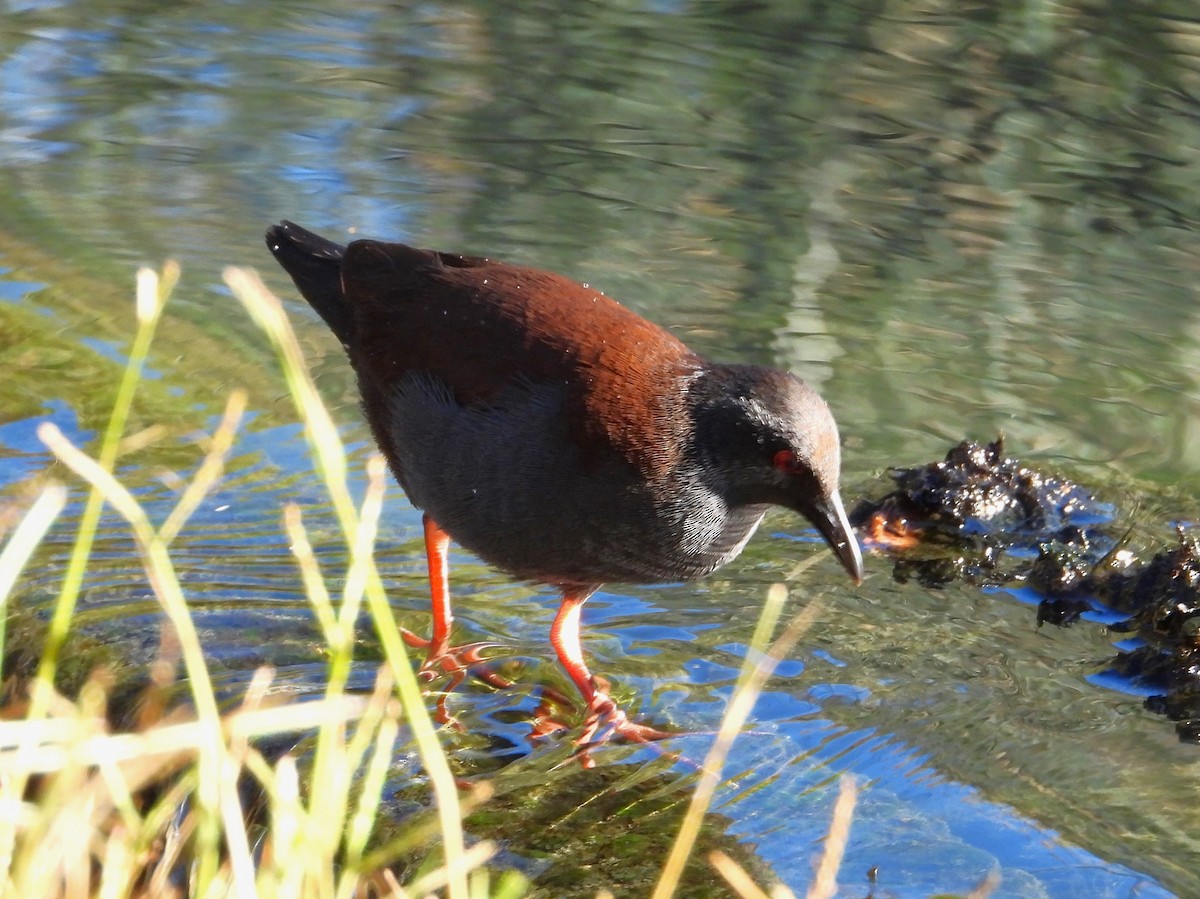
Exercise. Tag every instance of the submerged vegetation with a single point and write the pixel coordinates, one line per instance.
(985, 518)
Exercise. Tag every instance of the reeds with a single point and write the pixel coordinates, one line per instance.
(88, 812)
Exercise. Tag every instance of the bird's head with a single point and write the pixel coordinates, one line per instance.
(763, 436)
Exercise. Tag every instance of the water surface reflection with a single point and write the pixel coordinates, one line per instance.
(957, 220)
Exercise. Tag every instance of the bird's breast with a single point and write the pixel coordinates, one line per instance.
(507, 480)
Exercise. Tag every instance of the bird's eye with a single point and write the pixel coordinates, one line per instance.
(787, 461)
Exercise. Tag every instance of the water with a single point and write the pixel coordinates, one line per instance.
(955, 221)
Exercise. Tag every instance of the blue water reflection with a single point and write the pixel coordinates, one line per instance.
(949, 253)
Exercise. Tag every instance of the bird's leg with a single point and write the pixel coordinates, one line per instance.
(604, 719)
(437, 560)
(440, 655)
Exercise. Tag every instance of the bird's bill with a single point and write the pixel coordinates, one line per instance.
(829, 517)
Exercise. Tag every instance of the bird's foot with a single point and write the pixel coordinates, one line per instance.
(455, 661)
(604, 721)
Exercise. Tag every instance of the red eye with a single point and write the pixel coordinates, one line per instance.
(786, 461)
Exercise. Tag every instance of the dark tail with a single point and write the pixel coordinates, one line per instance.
(315, 264)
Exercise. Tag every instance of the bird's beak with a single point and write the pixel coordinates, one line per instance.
(829, 517)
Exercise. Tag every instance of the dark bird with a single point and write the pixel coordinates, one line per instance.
(558, 435)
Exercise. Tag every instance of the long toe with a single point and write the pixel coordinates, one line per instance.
(455, 661)
(604, 722)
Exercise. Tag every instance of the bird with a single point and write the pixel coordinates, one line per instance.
(561, 437)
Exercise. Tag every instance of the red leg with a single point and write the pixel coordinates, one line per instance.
(437, 556)
(602, 711)
(440, 655)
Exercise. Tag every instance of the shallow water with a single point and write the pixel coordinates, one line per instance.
(955, 222)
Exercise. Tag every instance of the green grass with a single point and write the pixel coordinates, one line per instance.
(95, 813)
(159, 810)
